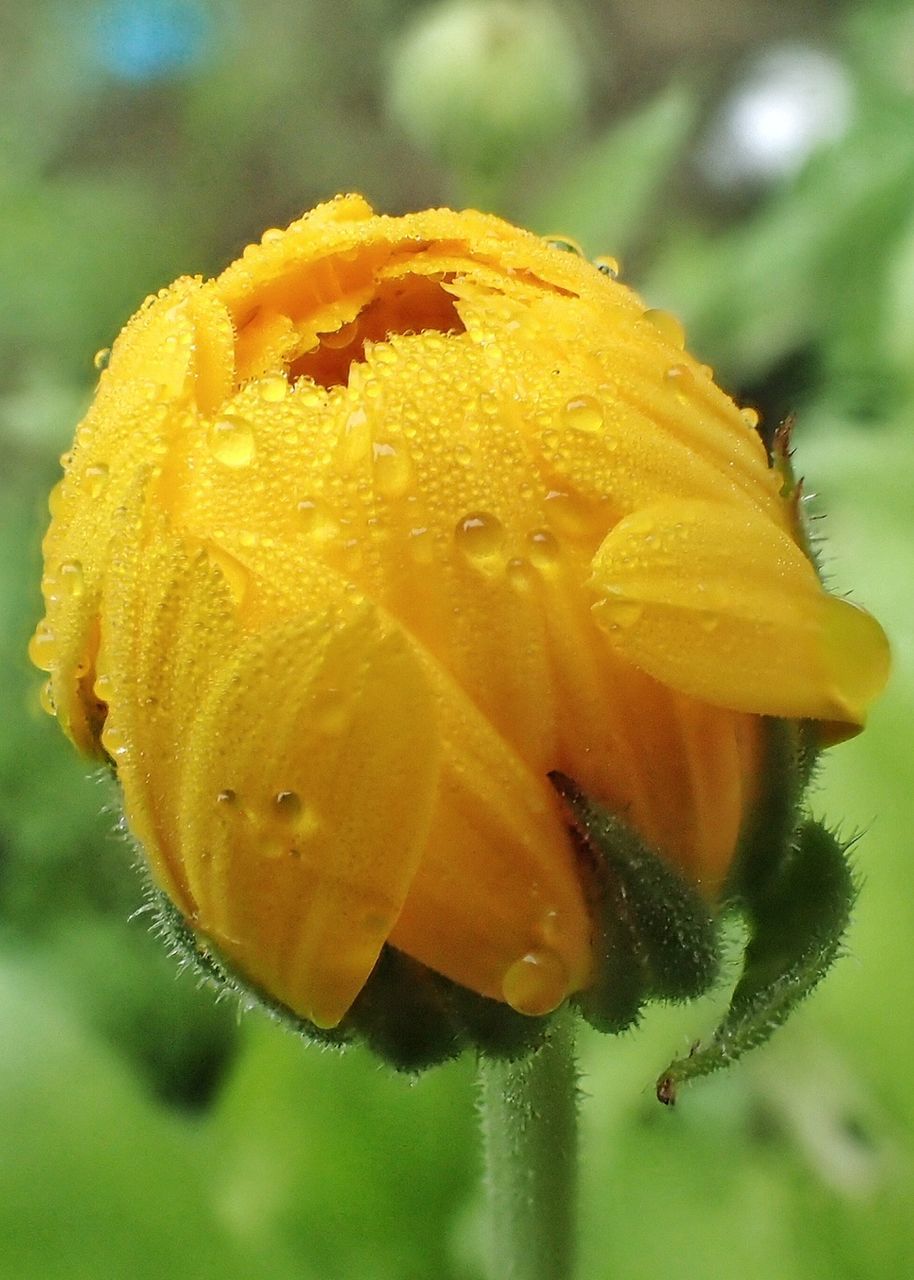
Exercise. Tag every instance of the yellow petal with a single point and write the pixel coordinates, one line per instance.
(311, 770)
(722, 605)
(498, 886)
(161, 597)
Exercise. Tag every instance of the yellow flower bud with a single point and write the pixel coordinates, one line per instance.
(362, 540)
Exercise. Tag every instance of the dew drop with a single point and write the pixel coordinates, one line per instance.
(317, 521)
(43, 648)
(114, 742)
(355, 439)
(565, 244)
(750, 417)
(489, 404)
(102, 687)
(227, 798)
(607, 265)
(273, 389)
(667, 325)
(583, 413)
(340, 338)
(536, 984)
(679, 377)
(101, 358)
(287, 805)
(272, 235)
(393, 471)
(544, 550)
(479, 536)
(96, 479)
(70, 578)
(231, 442)
(520, 573)
(568, 513)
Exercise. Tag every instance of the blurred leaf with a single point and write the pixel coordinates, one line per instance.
(102, 243)
(604, 195)
(361, 1171)
(805, 268)
(96, 1181)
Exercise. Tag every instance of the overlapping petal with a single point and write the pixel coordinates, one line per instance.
(724, 606)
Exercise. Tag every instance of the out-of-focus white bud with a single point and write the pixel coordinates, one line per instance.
(792, 100)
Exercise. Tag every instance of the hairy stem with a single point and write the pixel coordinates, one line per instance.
(529, 1124)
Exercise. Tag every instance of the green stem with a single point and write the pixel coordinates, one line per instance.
(529, 1124)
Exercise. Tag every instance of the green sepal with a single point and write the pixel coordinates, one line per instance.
(415, 1018)
(657, 938)
(792, 494)
(408, 1015)
(789, 756)
(797, 926)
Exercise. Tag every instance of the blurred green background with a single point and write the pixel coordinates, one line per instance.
(752, 164)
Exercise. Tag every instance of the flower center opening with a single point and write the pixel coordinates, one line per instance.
(411, 304)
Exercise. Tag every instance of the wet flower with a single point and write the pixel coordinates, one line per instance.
(362, 541)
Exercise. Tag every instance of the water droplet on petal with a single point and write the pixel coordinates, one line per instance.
(679, 377)
(355, 440)
(667, 325)
(480, 536)
(101, 358)
(564, 244)
(340, 338)
(114, 742)
(569, 513)
(607, 265)
(71, 580)
(489, 404)
(316, 520)
(96, 479)
(536, 984)
(393, 471)
(273, 389)
(583, 413)
(520, 574)
(287, 805)
(227, 799)
(231, 442)
(46, 699)
(750, 417)
(544, 550)
(43, 648)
